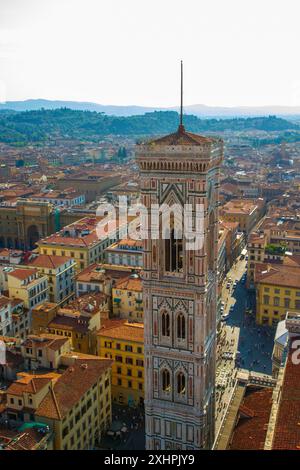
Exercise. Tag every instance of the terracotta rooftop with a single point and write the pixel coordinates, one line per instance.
(182, 137)
(89, 303)
(71, 386)
(20, 440)
(44, 340)
(278, 275)
(23, 274)
(251, 429)
(73, 234)
(49, 261)
(59, 239)
(93, 273)
(4, 301)
(121, 329)
(27, 383)
(229, 225)
(76, 323)
(130, 283)
(239, 207)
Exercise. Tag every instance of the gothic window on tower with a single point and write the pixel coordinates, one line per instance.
(165, 324)
(181, 326)
(181, 383)
(173, 250)
(166, 381)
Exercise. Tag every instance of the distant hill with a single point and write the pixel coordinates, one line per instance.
(45, 125)
(111, 110)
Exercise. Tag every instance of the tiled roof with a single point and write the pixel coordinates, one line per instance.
(121, 329)
(251, 429)
(66, 237)
(4, 301)
(238, 206)
(93, 273)
(85, 241)
(278, 275)
(229, 225)
(22, 274)
(18, 440)
(181, 137)
(28, 384)
(49, 261)
(45, 340)
(71, 386)
(88, 303)
(130, 283)
(77, 323)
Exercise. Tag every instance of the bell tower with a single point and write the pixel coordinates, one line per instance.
(180, 291)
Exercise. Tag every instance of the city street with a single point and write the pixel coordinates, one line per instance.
(133, 438)
(239, 333)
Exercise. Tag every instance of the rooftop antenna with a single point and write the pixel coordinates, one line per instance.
(181, 128)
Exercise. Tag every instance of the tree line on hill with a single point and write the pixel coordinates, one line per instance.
(21, 128)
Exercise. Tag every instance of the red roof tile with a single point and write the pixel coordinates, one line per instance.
(251, 429)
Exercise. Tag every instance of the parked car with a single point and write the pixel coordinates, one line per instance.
(228, 285)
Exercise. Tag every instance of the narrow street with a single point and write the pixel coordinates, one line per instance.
(239, 335)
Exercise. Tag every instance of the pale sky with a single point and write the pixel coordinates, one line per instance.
(124, 52)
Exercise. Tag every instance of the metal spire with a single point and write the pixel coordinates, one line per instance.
(181, 128)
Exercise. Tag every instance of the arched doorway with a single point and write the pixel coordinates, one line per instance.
(32, 236)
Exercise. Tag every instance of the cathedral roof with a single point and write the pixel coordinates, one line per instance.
(181, 137)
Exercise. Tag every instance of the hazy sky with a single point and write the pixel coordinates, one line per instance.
(235, 52)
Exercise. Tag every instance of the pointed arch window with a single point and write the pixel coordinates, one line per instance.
(165, 324)
(181, 326)
(166, 380)
(173, 250)
(181, 383)
(154, 254)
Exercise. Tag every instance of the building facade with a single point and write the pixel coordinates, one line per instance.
(5, 316)
(23, 224)
(60, 271)
(28, 285)
(127, 298)
(124, 343)
(180, 292)
(78, 241)
(277, 291)
(125, 253)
